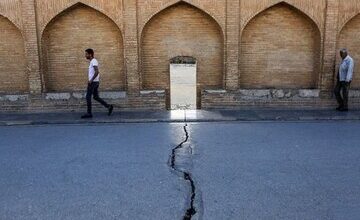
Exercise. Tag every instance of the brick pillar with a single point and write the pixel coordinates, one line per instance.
(31, 45)
(232, 44)
(329, 47)
(131, 46)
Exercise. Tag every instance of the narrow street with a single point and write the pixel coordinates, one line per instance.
(240, 170)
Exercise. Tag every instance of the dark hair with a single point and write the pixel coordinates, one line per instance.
(90, 51)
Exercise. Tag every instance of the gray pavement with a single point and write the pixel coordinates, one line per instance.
(278, 170)
(89, 172)
(242, 170)
(178, 116)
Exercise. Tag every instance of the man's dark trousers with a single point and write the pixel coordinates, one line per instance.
(93, 90)
(342, 87)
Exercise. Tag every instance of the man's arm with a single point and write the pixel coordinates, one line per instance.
(96, 68)
(350, 71)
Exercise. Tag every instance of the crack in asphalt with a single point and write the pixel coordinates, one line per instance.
(191, 210)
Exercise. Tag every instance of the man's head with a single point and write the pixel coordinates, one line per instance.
(343, 53)
(89, 54)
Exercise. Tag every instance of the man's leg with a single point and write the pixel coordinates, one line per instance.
(100, 100)
(337, 92)
(97, 97)
(89, 93)
(346, 88)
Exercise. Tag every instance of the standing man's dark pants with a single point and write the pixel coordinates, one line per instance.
(93, 90)
(342, 87)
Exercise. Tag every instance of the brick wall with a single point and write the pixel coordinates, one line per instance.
(280, 48)
(329, 39)
(182, 30)
(64, 41)
(12, 59)
(249, 53)
(350, 38)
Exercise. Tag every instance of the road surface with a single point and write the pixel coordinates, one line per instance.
(252, 170)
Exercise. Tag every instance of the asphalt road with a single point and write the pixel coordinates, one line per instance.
(240, 170)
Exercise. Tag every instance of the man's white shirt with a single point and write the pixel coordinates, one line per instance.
(93, 63)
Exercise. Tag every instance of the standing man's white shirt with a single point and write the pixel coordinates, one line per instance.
(93, 63)
(346, 70)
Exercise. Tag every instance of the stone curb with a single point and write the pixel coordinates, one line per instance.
(130, 121)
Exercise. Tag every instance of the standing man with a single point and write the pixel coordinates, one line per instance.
(344, 79)
(93, 85)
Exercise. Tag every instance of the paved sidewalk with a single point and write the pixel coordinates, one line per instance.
(177, 116)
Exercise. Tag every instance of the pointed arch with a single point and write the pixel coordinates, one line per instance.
(15, 22)
(12, 58)
(280, 48)
(349, 37)
(348, 20)
(12, 11)
(200, 37)
(68, 7)
(63, 43)
(281, 3)
(175, 2)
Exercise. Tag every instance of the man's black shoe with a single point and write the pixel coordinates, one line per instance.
(339, 108)
(86, 116)
(111, 108)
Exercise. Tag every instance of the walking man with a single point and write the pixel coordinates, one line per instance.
(93, 85)
(344, 79)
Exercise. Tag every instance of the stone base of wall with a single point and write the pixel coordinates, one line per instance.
(156, 100)
(273, 98)
(75, 102)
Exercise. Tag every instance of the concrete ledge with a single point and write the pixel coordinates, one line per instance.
(354, 94)
(57, 96)
(156, 100)
(278, 93)
(79, 95)
(254, 93)
(153, 92)
(269, 94)
(309, 93)
(272, 99)
(215, 91)
(113, 95)
(82, 95)
(14, 98)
